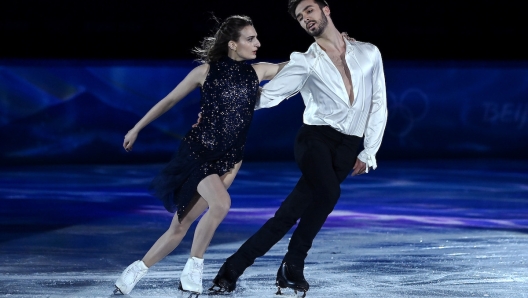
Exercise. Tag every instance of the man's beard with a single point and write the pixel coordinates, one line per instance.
(321, 27)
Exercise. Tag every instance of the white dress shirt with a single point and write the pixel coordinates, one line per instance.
(325, 95)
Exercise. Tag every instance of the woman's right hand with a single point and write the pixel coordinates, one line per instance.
(130, 138)
(198, 121)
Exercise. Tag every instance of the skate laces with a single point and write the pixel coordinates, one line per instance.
(196, 272)
(135, 272)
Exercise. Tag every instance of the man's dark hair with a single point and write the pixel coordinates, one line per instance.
(292, 5)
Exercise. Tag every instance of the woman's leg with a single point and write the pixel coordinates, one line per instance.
(174, 235)
(163, 246)
(214, 190)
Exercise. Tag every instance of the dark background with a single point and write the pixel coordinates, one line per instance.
(131, 29)
(75, 76)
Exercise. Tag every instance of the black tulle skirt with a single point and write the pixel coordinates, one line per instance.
(176, 185)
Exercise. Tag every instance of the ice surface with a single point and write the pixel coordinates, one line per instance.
(407, 230)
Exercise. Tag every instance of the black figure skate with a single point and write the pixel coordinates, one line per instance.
(291, 276)
(225, 280)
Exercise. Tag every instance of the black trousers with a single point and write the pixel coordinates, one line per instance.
(325, 158)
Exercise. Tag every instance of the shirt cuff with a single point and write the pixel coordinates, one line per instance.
(368, 159)
(267, 101)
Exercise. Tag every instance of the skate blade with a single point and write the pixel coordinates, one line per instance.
(219, 291)
(185, 292)
(221, 288)
(296, 292)
(191, 294)
(303, 293)
(117, 291)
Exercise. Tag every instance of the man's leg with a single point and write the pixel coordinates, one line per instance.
(314, 158)
(327, 189)
(262, 241)
(316, 163)
(288, 213)
(274, 229)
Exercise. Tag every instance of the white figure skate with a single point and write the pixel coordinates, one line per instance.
(129, 278)
(191, 277)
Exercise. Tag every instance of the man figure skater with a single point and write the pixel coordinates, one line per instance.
(343, 87)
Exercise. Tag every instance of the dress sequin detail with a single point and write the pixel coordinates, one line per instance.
(213, 147)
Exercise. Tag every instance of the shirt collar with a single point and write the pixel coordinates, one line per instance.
(319, 50)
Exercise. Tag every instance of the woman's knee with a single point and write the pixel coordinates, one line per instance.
(221, 206)
(179, 228)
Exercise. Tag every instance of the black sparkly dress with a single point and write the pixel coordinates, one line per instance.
(227, 104)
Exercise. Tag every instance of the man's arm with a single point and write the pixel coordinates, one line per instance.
(377, 116)
(285, 84)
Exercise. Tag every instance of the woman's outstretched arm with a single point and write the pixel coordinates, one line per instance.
(194, 79)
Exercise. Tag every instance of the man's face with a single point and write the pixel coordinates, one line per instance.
(311, 17)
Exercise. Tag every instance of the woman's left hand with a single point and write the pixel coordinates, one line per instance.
(345, 35)
(198, 121)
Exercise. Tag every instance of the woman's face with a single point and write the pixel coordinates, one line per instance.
(247, 45)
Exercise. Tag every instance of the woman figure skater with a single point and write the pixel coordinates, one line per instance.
(210, 154)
